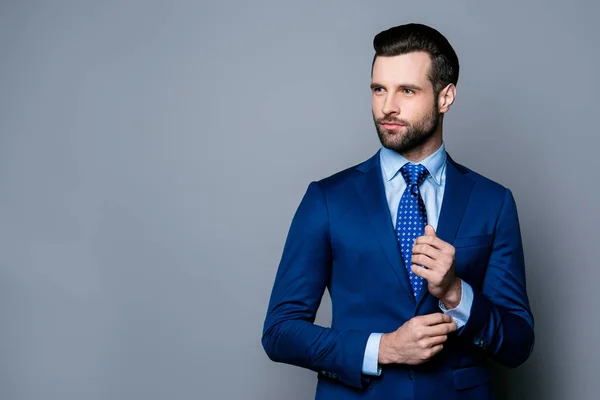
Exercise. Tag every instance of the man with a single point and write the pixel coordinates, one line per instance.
(422, 257)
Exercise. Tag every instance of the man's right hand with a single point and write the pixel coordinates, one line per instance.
(415, 342)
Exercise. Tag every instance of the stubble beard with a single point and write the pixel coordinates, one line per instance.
(417, 133)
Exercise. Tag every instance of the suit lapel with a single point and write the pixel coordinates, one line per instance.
(370, 190)
(456, 196)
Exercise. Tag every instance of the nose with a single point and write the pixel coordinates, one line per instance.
(390, 106)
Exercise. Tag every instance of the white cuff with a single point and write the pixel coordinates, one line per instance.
(460, 314)
(371, 359)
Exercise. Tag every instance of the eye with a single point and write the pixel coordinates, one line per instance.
(378, 89)
(408, 91)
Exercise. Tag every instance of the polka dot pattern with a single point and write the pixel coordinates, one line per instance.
(412, 218)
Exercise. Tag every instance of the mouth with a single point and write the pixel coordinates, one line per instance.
(391, 125)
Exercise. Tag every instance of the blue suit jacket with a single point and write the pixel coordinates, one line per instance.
(341, 238)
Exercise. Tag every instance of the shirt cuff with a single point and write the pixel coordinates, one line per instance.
(460, 314)
(371, 359)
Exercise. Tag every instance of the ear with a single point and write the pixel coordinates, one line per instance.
(446, 98)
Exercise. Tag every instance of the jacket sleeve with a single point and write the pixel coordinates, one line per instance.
(289, 333)
(501, 321)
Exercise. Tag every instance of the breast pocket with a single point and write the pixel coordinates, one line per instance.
(472, 241)
(471, 258)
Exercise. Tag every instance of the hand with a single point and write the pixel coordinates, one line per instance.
(418, 340)
(438, 256)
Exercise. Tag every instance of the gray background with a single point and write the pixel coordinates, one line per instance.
(152, 154)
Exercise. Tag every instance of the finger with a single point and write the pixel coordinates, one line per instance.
(434, 260)
(435, 349)
(433, 241)
(422, 272)
(442, 329)
(434, 319)
(428, 251)
(429, 231)
(434, 341)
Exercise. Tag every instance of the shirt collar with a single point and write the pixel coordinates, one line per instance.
(392, 161)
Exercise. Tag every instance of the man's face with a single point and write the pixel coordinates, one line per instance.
(405, 109)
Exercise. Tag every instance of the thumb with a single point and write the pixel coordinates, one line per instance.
(429, 231)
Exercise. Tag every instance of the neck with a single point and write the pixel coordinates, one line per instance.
(426, 149)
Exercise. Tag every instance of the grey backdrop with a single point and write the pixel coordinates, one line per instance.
(152, 154)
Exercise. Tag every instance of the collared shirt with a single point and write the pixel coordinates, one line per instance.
(432, 192)
(432, 189)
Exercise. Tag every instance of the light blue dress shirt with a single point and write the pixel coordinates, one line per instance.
(432, 192)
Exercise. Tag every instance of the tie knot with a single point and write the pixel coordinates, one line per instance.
(414, 174)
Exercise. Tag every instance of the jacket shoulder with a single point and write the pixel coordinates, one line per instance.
(479, 179)
(342, 177)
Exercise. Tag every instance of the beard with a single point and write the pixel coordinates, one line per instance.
(417, 132)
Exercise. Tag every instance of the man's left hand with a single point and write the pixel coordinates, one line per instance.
(438, 256)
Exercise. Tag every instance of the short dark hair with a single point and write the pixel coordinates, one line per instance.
(409, 38)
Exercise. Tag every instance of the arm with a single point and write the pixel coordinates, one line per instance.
(501, 321)
(289, 334)
(460, 313)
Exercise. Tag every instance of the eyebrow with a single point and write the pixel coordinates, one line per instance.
(404, 86)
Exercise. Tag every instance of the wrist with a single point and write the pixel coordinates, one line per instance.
(383, 357)
(453, 296)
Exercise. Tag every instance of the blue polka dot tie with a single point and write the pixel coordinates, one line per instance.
(412, 218)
